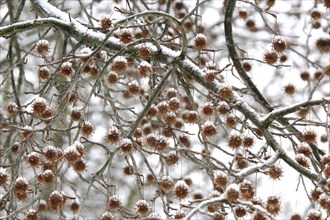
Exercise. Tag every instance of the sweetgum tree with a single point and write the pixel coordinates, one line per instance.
(159, 109)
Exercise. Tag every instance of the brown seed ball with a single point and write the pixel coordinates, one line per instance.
(324, 138)
(225, 91)
(21, 185)
(243, 14)
(113, 135)
(223, 108)
(207, 109)
(302, 160)
(247, 66)
(32, 214)
(126, 147)
(42, 48)
(153, 111)
(270, 3)
(283, 58)
(27, 133)
(56, 200)
(188, 181)
(66, 69)
(185, 140)
(166, 184)
(72, 154)
(241, 161)
(316, 14)
(314, 214)
(295, 217)
(273, 205)
(105, 22)
(48, 176)
(235, 140)
(74, 206)
(12, 109)
(323, 45)
(172, 158)
(144, 51)
(270, 57)
(174, 104)
(79, 166)
(150, 179)
(145, 69)
(316, 24)
(47, 114)
(290, 89)
(87, 129)
(126, 36)
(181, 190)
(303, 112)
(231, 121)
(305, 76)
(178, 123)
(315, 194)
(247, 190)
(128, 170)
(209, 130)
(220, 182)
(170, 118)
(33, 159)
(179, 214)
(248, 141)
(258, 216)
(251, 25)
(107, 216)
(119, 64)
(114, 203)
(275, 172)
(162, 107)
(200, 41)
(232, 193)
(326, 3)
(209, 77)
(44, 73)
(142, 208)
(75, 114)
(111, 78)
(198, 196)
(4, 177)
(309, 137)
(279, 44)
(305, 149)
(39, 105)
(133, 88)
(190, 117)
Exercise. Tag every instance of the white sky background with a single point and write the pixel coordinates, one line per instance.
(292, 199)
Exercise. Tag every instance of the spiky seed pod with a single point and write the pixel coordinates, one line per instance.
(21, 185)
(295, 217)
(290, 89)
(93, 72)
(223, 108)
(242, 13)
(305, 76)
(128, 170)
(79, 166)
(325, 160)
(198, 196)
(309, 136)
(22, 196)
(74, 206)
(145, 69)
(12, 109)
(15, 147)
(52, 154)
(273, 205)
(241, 161)
(270, 3)
(251, 25)
(231, 121)
(119, 64)
(225, 91)
(75, 114)
(324, 201)
(44, 73)
(111, 78)
(56, 200)
(142, 208)
(151, 140)
(314, 214)
(178, 123)
(279, 44)
(66, 69)
(270, 57)
(185, 140)
(42, 206)
(235, 140)
(105, 22)
(209, 76)
(144, 51)
(324, 138)
(316, 14)
(85, 52)
(126, 36)
(27, 133)
(218, 216)
(133, 88)
(137, 133)
(283, 58)
(316, 24)
(42, 47)
(33, 159)
(232, 193)
(171, 92)
(48, 176)
(248, 141)
(162, 144)
(240, 211)
(181, 190)
(87, 129)
(323, 45)
(150, 179)
(32, 214)
(153, 111)
(200, 41)
(114, 203)
(302, 160)
(258, 216)
(174, 104)
(146, 129)
(113, 135)
(326, 170)
(220, 181)
(126, 147)
(179, 214)
(247, 190)
(209, 130)
(315, 194)
(47, 114)
(303, 112)
(207, 109)
(168, 132)
(275, 172)
(170, 118)
(4, 177)
(107, 216)
(247, 66)
(305, 149)
(162, 107)
(188, 181)
(326, 3)
(39, 105)
(72, 154)
(190, 117)
(166, 184)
